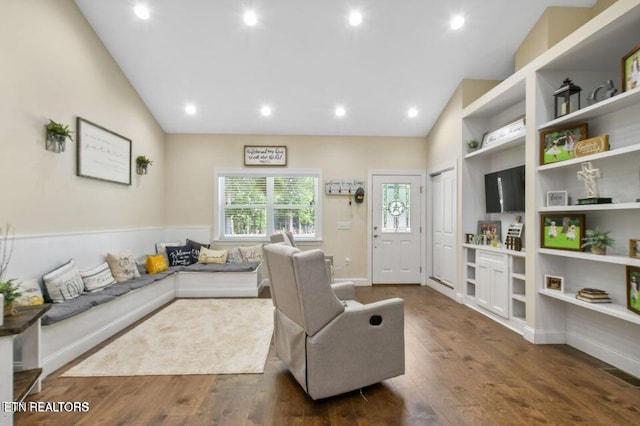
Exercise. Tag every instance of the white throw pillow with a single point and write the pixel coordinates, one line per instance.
(31, 293)
(95, 279)
(212, 256)
(252, 253)
(123, 265)
(64, 283)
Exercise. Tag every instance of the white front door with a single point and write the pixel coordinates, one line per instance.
(443, 199)
(395, 229)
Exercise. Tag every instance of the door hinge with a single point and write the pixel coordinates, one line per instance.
(421, 269)
(421, 187)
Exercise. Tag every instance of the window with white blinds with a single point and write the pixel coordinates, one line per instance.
(255, 205)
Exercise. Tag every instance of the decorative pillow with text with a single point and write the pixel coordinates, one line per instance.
(64, 283)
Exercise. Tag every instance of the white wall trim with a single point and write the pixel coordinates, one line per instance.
(605, 353)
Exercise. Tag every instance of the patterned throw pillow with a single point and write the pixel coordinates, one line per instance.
(156, 264)
(179, 256)
(31, 294)
(123, 266)
(64, 283)
(212, 256)
(97, 278)
(252, 254)
(235, 256)
(195, 249)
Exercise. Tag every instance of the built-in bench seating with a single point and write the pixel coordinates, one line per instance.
(74, 327)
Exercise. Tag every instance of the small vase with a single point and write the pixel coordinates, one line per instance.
(55, 142)
(141, 170)
(598, 250)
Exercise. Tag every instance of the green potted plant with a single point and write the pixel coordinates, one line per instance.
(473, 144)
(8, 289)
(57, 134)
(142, 163)
(598, 240)
(10, 292)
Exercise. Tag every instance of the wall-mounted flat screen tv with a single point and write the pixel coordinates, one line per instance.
(504, 190)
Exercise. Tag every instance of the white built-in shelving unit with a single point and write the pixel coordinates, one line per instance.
(589, 56)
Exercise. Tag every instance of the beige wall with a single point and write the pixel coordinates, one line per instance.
(193, 159)
(54, 66)
(554, 25)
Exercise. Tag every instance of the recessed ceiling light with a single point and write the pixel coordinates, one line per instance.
(355, 18)
(141, 11)
(412, 112)
(457, 22)
(250, 18)
(340, 111)
(190, 109)
(265, 110)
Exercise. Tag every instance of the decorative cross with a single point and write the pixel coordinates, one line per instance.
(588, 175)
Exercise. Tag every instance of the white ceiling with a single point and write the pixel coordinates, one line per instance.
(304, 59)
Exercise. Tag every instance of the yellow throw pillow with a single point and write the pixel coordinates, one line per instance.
(212, 256)
(156, 264)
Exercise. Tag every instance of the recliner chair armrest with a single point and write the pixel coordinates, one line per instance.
(344, 290)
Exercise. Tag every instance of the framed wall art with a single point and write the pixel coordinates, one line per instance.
(559, 144)
(562, 231)
(633, 292)
(552, 282)
(261, 155)
(631, 69)
(102, 154)
(557, 198)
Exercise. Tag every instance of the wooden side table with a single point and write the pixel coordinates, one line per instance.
(15, 386)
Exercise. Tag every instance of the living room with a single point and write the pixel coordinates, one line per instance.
(59, 69)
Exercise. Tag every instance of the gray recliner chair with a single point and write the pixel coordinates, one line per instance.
(330, 346)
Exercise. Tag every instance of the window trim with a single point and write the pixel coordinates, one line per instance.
(218, 201)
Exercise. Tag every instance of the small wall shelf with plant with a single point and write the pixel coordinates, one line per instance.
(57, 135)
(142, 163)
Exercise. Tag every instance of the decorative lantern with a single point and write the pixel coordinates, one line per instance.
(567, 97)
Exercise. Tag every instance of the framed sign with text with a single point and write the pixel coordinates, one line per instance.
(262, 155)
(103, 154)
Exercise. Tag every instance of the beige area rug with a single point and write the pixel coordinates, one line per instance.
(190, 336)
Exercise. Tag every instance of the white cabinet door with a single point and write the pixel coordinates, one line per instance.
(492, 282)
(483, 282)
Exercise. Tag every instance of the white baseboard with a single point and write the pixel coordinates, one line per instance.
(607, 354)
(544, 337)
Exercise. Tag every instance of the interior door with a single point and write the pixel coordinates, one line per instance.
(443, 199)
(396, 233)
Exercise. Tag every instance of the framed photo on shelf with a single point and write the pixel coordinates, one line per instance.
(468, 238)
(634, 249)
(490, 230)
(559, 144)
(633, 291)
(553, 282)
(631, 69)
(562, 231)
(557, 198)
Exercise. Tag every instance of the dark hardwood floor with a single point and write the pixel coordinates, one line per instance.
(461, 369)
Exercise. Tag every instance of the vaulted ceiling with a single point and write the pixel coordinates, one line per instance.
(302, 59)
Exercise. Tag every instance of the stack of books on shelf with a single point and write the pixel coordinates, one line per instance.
(593, 295)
